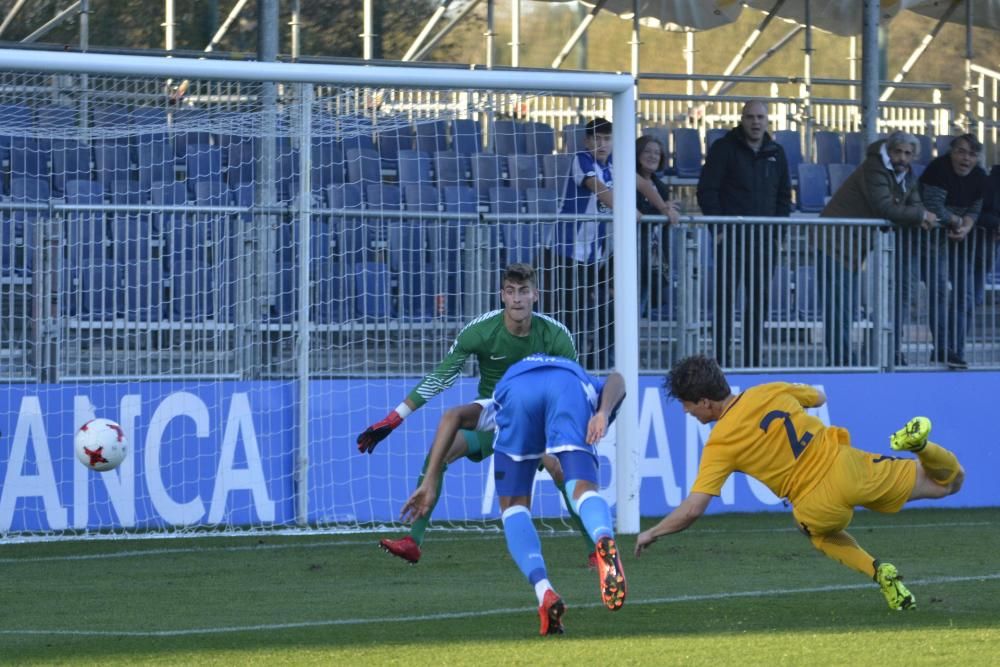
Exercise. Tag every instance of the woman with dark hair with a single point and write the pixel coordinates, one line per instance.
(652, 197)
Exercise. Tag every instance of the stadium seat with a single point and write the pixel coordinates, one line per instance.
(110, 115)
(828, 147)
(942, 144)
(555, 170)
(812, 188)
(517, 238)
(363, 166)
(407, 265)
(854, 149)
(659, 132)
(926, 146)
(509, 138)
(30, 158)
(202, 163)
(358, 135)
(918, 169)
(91, 291)
(838, 173)
(85, 231)
(113, 163)
(286, 170)
(687, 157)
(371, 290)
(141, 289)
(421, 197)
(185, 130)
(329, 304)
(572, 138)
(240, 160)
(523, 172)
(431, 136)
(55, 117)
(781, 308)
(327, 165)
(451, 168)
(70, 161)
(487, 170)
(350, 238)
(155, 161)
(789, 141)
(540, 138)
(466, 136)
(192, 291)
(460, 199)
(806, 297)
(542, 203)
(714, 134)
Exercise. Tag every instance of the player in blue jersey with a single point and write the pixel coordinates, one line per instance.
(543, 405)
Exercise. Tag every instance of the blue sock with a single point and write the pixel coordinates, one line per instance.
(523, 543)
(595, 514)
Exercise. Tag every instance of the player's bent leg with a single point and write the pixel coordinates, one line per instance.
(896, 594)
(843, 548)
(926, 486)
(940, 465)
(408, 547)
(552, 466)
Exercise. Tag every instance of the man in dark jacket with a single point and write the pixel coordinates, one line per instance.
(883, 186)
(745, 174)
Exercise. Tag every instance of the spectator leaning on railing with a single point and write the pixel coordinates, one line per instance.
(952, 187)
(989, 223)
(883, 186)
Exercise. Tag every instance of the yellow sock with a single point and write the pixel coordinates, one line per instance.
(844, 549)
(941, 465)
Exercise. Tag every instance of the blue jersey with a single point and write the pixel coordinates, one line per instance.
(584, 240)
(543, 404)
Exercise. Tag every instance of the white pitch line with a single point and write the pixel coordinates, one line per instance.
(140, 553)
(473, 614)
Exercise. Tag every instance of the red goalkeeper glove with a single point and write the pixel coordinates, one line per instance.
(378, 432)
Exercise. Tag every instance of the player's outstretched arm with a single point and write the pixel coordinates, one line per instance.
(612, 396)
(424, 497)
(690, 509)
(381, 429)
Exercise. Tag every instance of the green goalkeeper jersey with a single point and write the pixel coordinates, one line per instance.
(496, 350)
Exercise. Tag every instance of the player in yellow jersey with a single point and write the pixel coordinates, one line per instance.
(766, 433)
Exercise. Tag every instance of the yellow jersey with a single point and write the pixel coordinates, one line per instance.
(767, 434)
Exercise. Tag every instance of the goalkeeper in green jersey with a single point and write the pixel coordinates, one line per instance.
(498, 339)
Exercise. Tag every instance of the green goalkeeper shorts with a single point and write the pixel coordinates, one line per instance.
(480, 444)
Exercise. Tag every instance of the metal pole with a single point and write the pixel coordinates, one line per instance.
(852, 66)
(302, 325)
(515, 33)
(168, 25)
(52, 23)
(689, 60)
(296, 25)
(970, 122)
(224, 28)
(747, 45)
(10, 15)
(489, 34)
(807, 84)
(438, 13)
(919, 51)
(634, 43)
(869, 71)
(367, 35)
(444, 31)
(580, 30)
(84, 25)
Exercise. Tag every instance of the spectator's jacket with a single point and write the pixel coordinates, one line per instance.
(872, 191)
(737, 181)
(945, 192)
(989, 218)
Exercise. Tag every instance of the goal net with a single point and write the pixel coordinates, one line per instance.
(245, 274)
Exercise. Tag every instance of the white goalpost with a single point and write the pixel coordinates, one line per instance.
(245, 263)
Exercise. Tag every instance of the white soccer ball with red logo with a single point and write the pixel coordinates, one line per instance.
(101, 445)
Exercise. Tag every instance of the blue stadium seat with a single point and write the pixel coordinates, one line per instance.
(431, 136)
(70, 161)
(555, 170)
(19, 225)
(350, 241)
(451, 168)
(838, 173)
(504, 199)
(487, 169)
(211, 193)
(414, 167)
(363, 165)
(327, 163)
(371, 290)
(573, 137)
(918, 168)
(92, 291)
(789, 141)
(112, 163)
(357, 135)
(466, 136)
(828, 147)
(517, 238)
(203, 163)
(806, 297)
(186, 130)
(854, 148)
(659, 132)
(714, 134)
(408, 263)
(55, 116)
(110, 115)
(286, 169)
(141, 290)
(330, 306)
(509, 138)
(148, 119)
(193, 288)
(240, 159)
(543, 203)
(421, 197)
(812, 188)
(523, 172)
(942, 144)
(155, 161)
(392, 140)
(86, 231)
(460, 199)
(781, 299)
(686, 152)
(29, 158)
(540, 138)
(926, 146)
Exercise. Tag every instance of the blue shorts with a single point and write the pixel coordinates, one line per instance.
(546, 410)
(517, 478)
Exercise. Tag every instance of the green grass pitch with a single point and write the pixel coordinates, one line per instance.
(738, 589)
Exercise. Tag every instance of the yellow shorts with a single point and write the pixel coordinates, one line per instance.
(856, 478)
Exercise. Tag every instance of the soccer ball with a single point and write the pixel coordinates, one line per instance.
(101, 445)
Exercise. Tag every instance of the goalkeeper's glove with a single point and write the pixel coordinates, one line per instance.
(378, 432)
